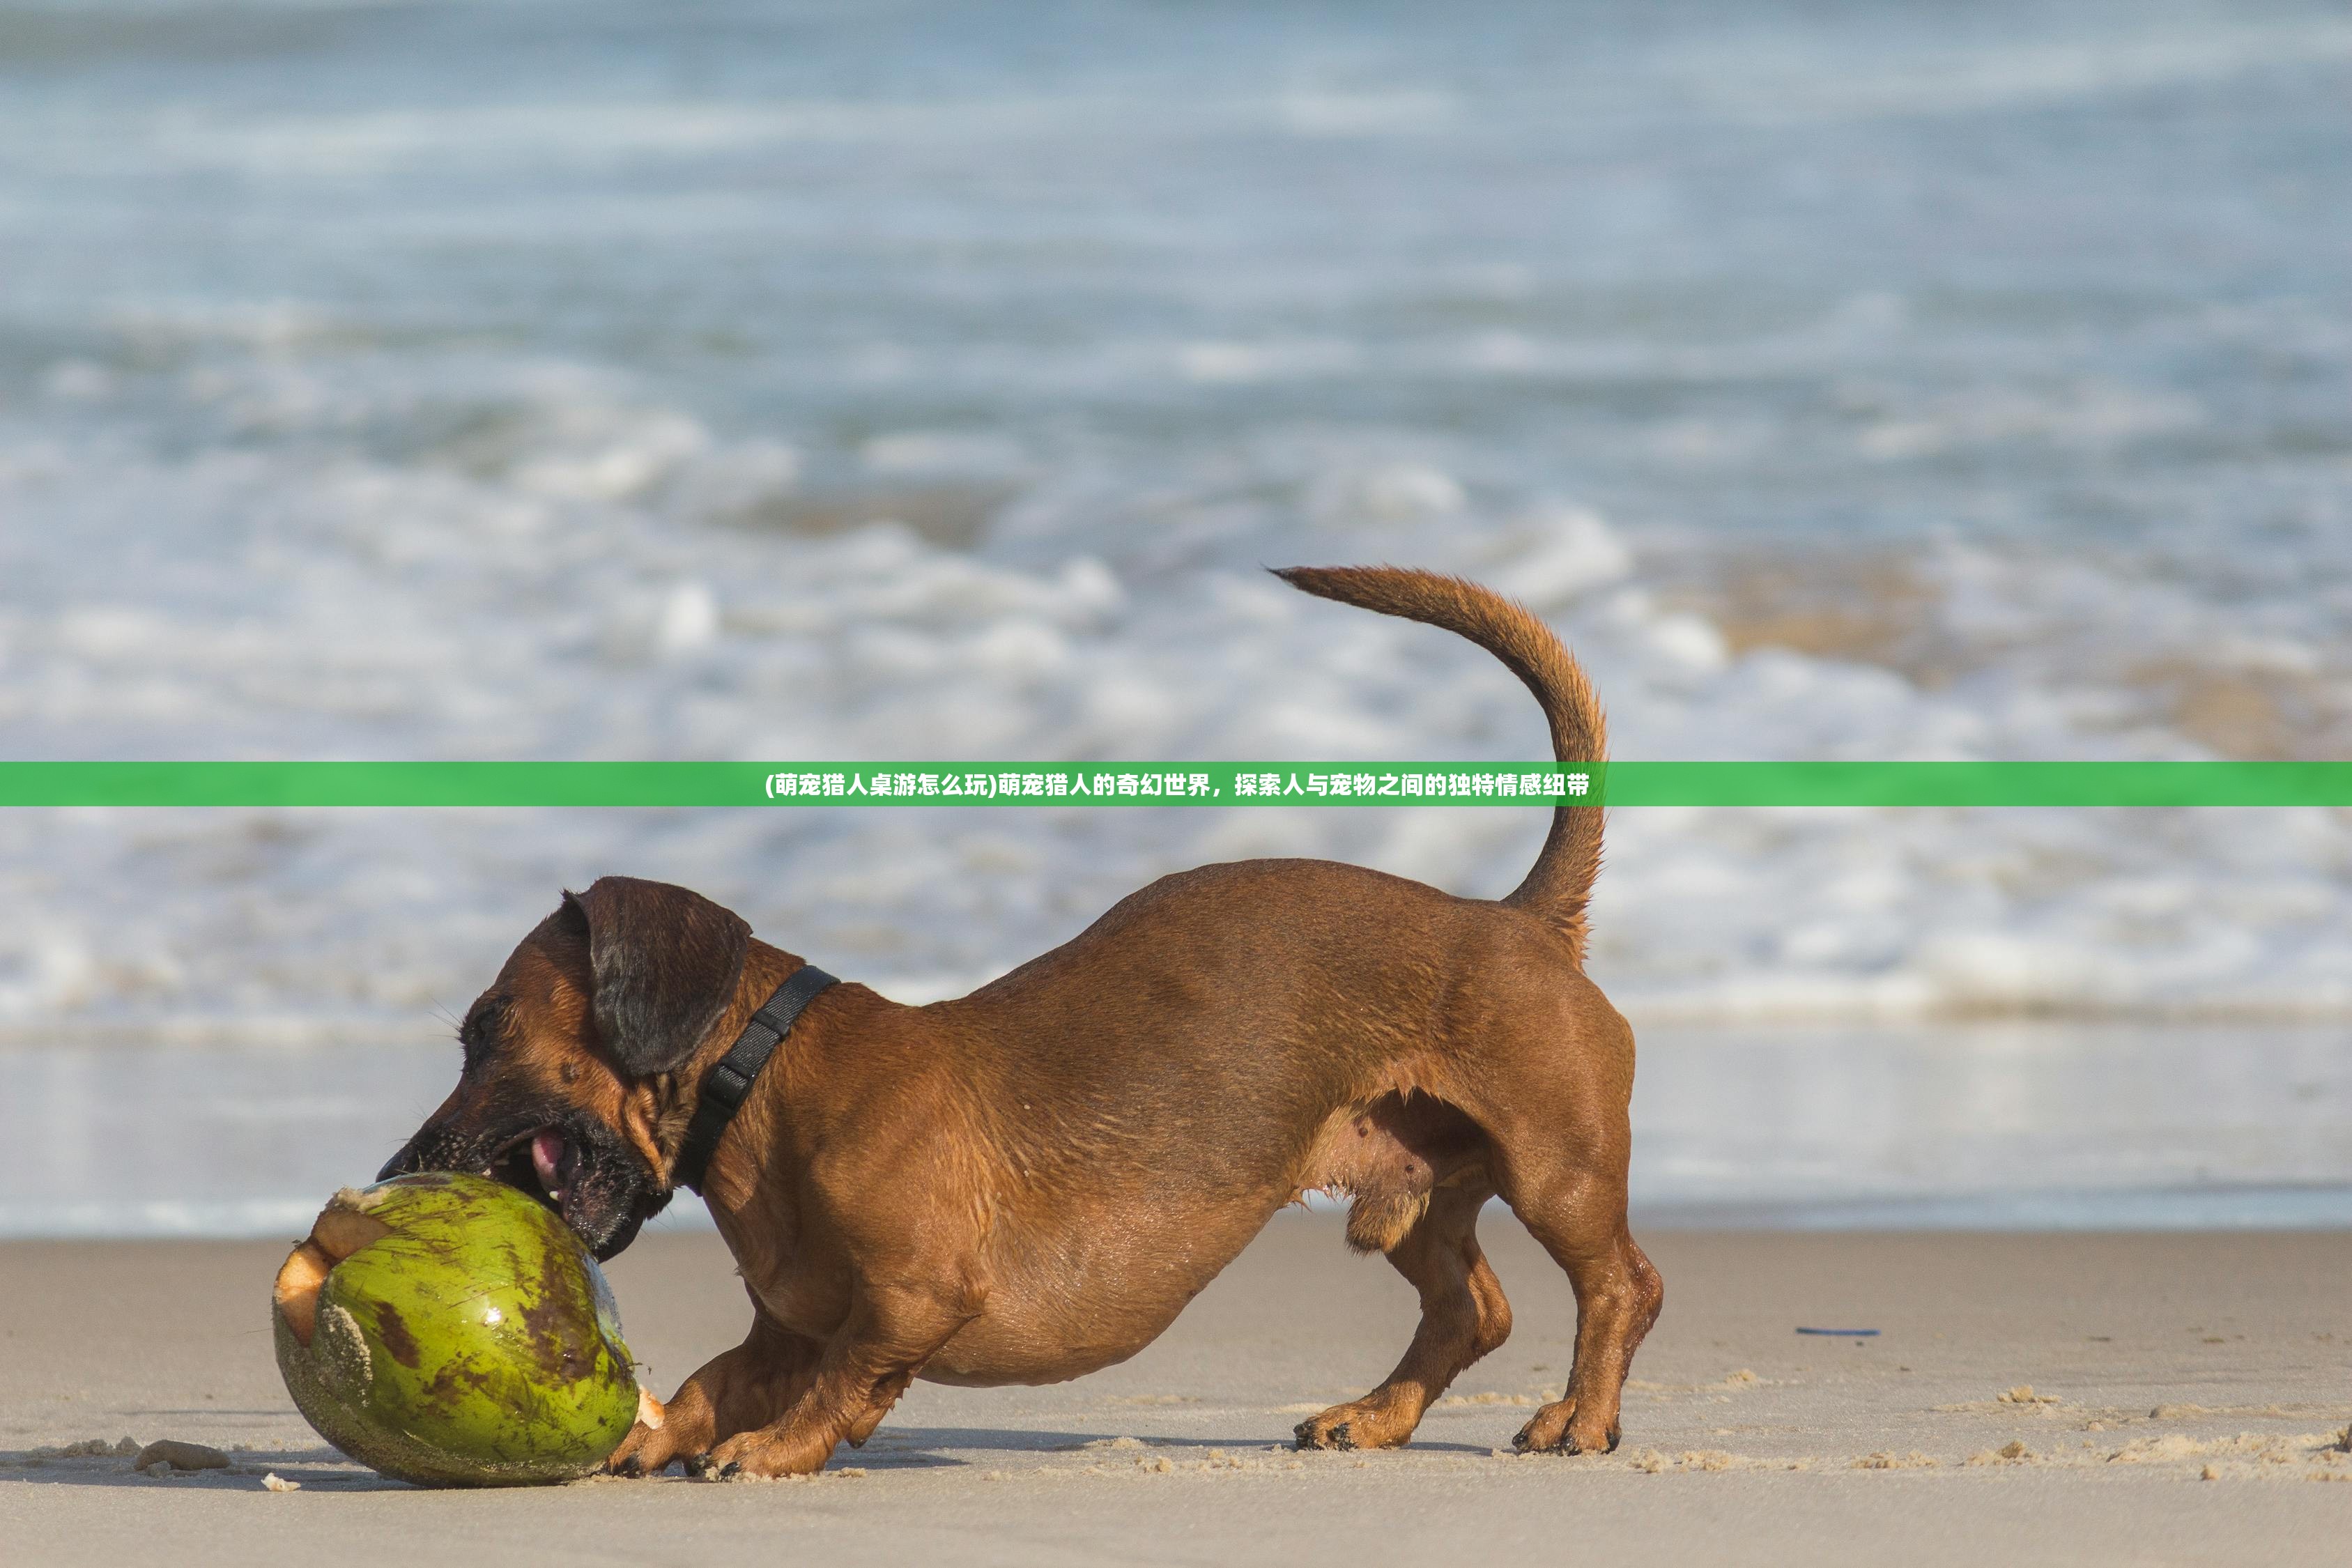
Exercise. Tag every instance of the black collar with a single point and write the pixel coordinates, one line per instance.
(729, 1080)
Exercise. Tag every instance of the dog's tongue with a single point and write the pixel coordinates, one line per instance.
(547, 1159)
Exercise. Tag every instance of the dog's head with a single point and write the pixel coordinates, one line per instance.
(568, 1085)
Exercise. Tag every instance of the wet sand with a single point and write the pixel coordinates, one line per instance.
(2030, 1398)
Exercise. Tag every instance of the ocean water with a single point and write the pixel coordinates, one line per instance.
(1986, 1126)
(871, 380)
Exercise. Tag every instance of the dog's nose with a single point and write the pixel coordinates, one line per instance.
(400, 1164)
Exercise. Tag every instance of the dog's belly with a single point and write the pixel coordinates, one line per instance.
(1114, 1270)
(1098, 1292)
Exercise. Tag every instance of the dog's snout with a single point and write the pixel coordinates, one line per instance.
(404, 1163)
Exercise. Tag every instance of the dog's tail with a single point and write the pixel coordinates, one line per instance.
(1560, 883)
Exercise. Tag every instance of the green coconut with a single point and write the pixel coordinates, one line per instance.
(449, 1331)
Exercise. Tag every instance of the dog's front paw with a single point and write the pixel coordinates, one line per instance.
(765, 1454)
(654, 1440)
(1556, 1430)
(644, 1452)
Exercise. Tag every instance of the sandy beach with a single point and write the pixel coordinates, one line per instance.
(2030, 1398)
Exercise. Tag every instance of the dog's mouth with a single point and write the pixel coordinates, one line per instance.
(585, 1174)
(543, 1162)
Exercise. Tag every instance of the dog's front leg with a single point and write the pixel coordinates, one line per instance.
(739, 1391)
(891, 1330)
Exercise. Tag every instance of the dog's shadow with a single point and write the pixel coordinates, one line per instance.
(915, 1447)
(890, 1449)
(944, 1447)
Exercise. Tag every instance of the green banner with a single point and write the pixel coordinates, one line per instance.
(1221, 784)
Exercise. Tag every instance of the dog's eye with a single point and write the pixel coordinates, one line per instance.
(480, 1031)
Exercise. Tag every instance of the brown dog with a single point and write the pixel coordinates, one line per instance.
(1030, 1183)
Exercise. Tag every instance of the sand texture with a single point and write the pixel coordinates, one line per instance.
(2174, 1398)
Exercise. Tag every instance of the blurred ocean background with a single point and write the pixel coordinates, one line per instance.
(928, 380)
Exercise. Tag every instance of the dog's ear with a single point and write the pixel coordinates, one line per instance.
(665, 963)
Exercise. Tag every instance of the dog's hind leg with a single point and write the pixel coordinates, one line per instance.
(1618, 1294)
(1570, 1193)
(1463, 1317)
(1551, 1088)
